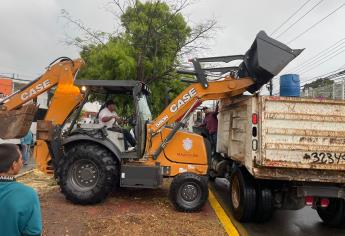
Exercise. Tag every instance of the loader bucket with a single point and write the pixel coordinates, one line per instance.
(16, 123)
(265, 59)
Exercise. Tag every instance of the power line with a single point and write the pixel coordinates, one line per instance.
(339, 70)
(321, 62)
(299, 19)
(318, 55)
(318, 22)
(293, 14)
(329, 55)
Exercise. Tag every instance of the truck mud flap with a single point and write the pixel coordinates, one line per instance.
(265, 59)
(16, 123)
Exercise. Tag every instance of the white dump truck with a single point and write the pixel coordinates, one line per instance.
(282, 152)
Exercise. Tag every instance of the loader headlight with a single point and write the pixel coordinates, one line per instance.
(83, 88)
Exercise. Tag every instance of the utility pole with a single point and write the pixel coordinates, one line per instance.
(269, 86)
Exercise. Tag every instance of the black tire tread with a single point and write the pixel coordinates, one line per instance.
(248, 196)
(333, 219)
(264, 204)
(108, 173)
(174, 187)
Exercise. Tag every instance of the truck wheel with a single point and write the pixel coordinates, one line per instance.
(89, 173)
(242, 195)
(188, 192)
(264, 204)
(334, 214)
(212, 175)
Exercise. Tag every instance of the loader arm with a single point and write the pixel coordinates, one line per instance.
(265, 59)
(195, 94)
(61, 73)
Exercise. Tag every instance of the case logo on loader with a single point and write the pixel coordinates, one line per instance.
(185, 98)
(32, 91)
(187, 144)
(162, 121)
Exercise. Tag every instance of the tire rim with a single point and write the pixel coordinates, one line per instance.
(189, 193)
(83, 175)
(235, 193)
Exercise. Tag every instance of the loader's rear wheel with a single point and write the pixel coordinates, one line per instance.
(334, 214)
(188, 192)
(89, 173)
(58, 165)
(242, 195)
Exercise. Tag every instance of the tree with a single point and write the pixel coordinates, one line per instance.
(319, 83)
(149, 47)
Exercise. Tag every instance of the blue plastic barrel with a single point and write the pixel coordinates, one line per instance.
(290, 85)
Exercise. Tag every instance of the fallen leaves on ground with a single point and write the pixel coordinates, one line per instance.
(125, 212)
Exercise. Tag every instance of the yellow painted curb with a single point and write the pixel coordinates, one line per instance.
(222, 216)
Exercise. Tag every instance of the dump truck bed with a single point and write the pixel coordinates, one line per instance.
(298, 139)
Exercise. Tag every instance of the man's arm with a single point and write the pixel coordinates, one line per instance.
(107, 118)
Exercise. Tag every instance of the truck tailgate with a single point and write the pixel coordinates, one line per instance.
(302, 133)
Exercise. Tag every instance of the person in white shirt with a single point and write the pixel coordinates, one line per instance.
(108, 117)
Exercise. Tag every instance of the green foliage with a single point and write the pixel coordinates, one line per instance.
(110, 62)
(157, 36)
(163, 92)
(319, 83)
(147, 51)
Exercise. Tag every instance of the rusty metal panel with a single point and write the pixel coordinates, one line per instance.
(223, 130)
(234, 129)
(302, 133)
(298, 174)
(16, 123)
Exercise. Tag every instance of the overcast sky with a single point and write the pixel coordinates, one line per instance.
(33, 32)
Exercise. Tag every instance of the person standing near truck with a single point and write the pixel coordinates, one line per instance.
(20, 212)
(211, 124)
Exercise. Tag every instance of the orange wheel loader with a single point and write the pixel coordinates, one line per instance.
(90, 162)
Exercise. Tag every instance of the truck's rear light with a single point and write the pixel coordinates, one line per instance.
(309, 200)
(254, 132)
(324, 202)
(255, 144)
(254, 118)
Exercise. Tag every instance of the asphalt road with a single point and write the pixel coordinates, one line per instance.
(304, 222)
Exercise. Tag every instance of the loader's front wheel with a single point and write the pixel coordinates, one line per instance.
(188, 192)
(89, 173)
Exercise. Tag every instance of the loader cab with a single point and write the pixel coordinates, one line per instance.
(137, 90)
(143, 117)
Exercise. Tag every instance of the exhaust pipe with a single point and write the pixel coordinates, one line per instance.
(265, 59)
